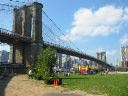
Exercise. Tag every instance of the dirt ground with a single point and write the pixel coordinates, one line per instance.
(20, 85)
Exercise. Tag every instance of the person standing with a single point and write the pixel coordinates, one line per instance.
(30, 73)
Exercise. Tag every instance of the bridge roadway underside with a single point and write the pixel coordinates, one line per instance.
(77, 54)
(17, 39)
(10, 38)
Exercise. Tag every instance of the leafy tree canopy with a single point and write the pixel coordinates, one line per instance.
(45, 63)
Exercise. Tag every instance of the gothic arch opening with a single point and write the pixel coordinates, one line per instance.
(31, 25)
(20, 25)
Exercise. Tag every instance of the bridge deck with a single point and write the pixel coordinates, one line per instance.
(69, 51)
(7, 36)
(10, 38)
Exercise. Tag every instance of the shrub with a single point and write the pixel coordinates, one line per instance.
(43, 70)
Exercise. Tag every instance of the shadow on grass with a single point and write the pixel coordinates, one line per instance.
(3, 84)
(72, 78)
(64, 84)
(69, 78)
(62, 94)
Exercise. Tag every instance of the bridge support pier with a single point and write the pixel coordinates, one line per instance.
(31, 53)
(26, 54)
(16, 55)
(27, 23)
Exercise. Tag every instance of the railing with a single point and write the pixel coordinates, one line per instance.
(67, 48)
(8, 32)
(3, 31)
(7, 64)
(72, 50)
(1, 63)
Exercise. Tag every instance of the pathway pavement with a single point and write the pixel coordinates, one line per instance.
(20, 85)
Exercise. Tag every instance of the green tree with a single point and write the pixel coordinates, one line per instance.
(45, 63)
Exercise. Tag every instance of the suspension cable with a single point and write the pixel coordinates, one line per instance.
(59, 29)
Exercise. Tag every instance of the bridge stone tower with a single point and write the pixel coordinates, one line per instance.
(27, 22)
(101, 56)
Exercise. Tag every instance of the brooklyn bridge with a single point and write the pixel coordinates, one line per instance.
(27, 37)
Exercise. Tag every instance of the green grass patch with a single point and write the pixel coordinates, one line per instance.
(112, 85)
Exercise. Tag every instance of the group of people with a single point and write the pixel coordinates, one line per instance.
(105, 72)
(66, 74)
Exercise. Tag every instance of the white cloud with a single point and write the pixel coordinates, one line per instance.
(124, 39)
(126, 14)
(0, 48)
(111, 53)
(100, 50)
(104, 21)
(108, 52)
(112, 56)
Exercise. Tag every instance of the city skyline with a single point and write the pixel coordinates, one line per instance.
(92, 25)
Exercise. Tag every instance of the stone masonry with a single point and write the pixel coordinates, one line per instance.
(27, 22)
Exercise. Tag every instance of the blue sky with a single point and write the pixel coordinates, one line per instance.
(93, 25)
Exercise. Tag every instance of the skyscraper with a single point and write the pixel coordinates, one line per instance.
(59, 60)
(124, 56)
(4, 56)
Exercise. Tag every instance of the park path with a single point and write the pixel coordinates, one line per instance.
(20, 85)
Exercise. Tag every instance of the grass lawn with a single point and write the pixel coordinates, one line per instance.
(111, 84)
